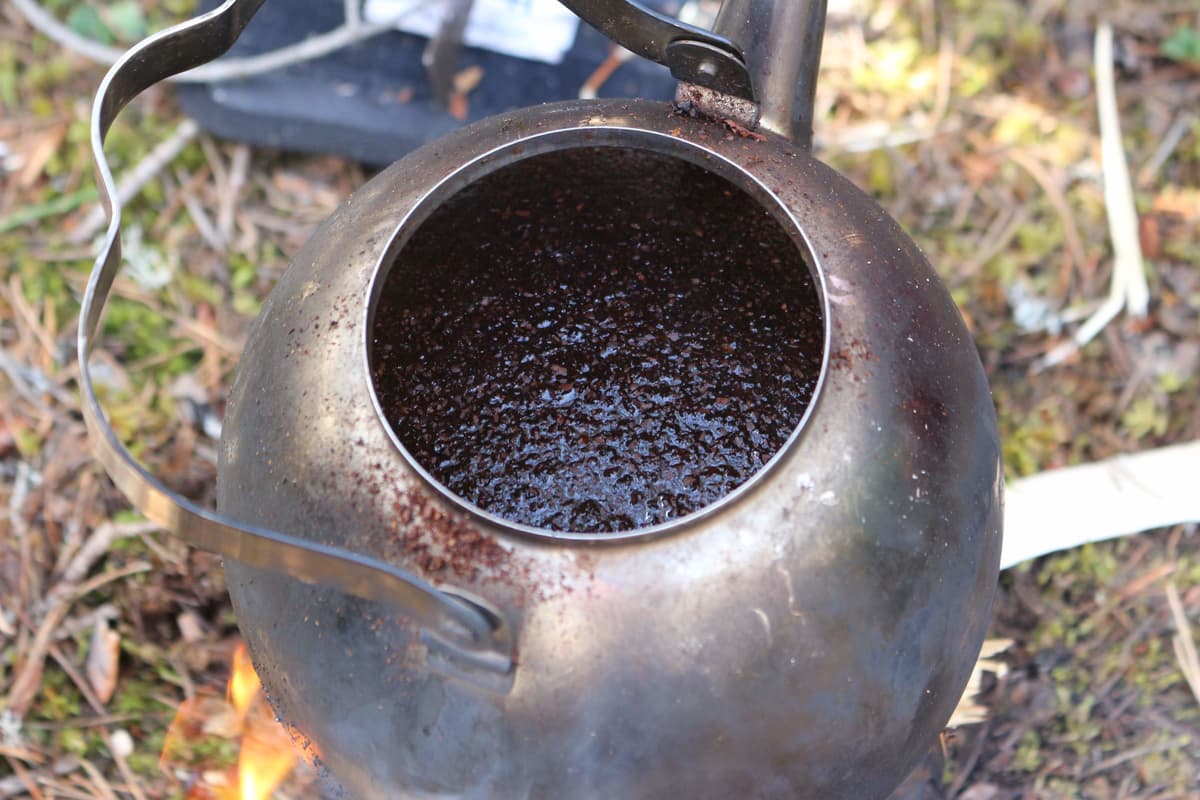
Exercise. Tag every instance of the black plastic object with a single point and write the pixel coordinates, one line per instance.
(372, 101)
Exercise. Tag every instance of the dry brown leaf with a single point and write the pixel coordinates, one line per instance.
(226, 723)
(978, 168)
(980, 791)
(968, 712)
(8, 442)
(1149, 236)
(302, 188)
(1178, 202)
(1183, 643)
(466, 80)
(458, 106)
(38, 154)
(104, 655)
(215, 777)
(191, 627)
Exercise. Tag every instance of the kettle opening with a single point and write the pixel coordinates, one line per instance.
(595, 333)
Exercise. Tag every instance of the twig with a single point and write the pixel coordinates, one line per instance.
(28, 678)
(16, 298)
(21, 753)
(881, 135)
(1136, 752)
(1055, 195)
(131, 781)
(352, 10)
(85, 688)
(105, 791)
(27, 782)
(1140, 583)
(86, 622)
(59, 204)
(14, 784)
(30, 382)
(133, 181)
(98, 544)
(351, 32)
(73, 532)
(996, 238)
(24, 383)
(963, 774)
(600, 75)
(239, 167)
(941, 102)
(968, 711)
(178, 185)
(201, 219)
(207, 335)
(25, 685)
(1128, 289)
(24, 480)
(91, 585)
(1170, 140)
(107, 719)
(1184, 644)
(216, 164)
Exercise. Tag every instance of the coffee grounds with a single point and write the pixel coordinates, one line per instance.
(596, 340)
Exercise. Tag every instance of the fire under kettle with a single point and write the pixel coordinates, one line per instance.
(804, 635)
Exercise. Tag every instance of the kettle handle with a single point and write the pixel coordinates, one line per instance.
(464, 636)
(765, 51)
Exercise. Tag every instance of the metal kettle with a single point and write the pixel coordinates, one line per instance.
(805, 636)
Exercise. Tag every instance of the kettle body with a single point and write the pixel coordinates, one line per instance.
(804, 637)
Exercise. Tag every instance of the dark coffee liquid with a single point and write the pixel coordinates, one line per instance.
(596, 340)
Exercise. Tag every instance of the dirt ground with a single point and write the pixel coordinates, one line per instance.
(975, 124)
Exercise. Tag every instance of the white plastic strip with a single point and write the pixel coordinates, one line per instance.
(1068, 507)
(539, 30)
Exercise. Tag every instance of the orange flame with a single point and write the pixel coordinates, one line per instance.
(244, 685)
(265, 756)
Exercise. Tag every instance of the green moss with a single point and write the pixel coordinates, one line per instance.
(144, 331)
(147, 755)
(136, 695)
(247, 304)
(1146, 416)
(204, 751)
(200, 289)
(9, 76)
(1171, 382)
(1029, 38)
(890, 65)
(1031, 443)
(1040, 239)
(71, 740)
(59, 699)
(1183, 44)
(973, 76)
(1028, 757)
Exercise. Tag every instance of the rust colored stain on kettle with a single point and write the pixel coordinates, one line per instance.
(596, 340)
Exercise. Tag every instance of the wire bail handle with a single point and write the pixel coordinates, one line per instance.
(464, 636)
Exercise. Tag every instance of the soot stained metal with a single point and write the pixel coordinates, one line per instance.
(803, 631)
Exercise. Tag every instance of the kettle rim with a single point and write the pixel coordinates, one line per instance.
(616, 136)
